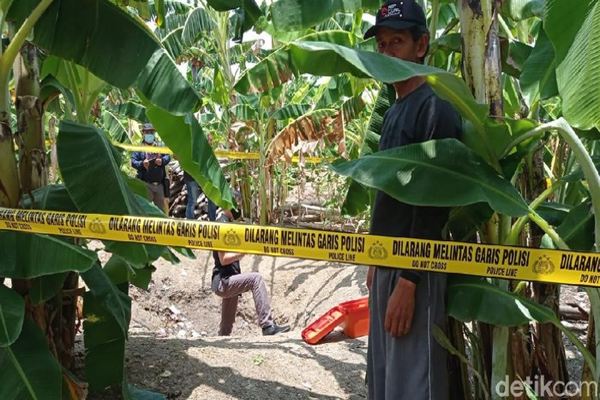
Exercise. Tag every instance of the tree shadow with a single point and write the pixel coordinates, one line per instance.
(356, 278)
(181, 375)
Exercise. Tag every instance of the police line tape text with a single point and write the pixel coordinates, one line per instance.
(461, 252)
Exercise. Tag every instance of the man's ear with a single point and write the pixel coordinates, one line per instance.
(422, 46)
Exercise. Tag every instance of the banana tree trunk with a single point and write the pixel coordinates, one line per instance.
(9, 173)
(482, 72)
(57, 317)
(481, 51)
(586, 376)
(30, 138)
(549, 355)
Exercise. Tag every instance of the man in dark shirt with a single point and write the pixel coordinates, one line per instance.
(404, 361)
(229, 282)
(151, 169)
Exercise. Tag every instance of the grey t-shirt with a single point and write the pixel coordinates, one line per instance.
(417, 117)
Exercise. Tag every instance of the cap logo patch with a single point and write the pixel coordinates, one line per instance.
(393, 10)
(384, 11)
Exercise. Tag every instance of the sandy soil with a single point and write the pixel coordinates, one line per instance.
(173, 347)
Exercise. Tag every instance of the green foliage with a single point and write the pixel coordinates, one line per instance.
(117, 303)
(523, 9)
(359, 197)
(197, 22)
(85, 35)
(26, 255)
(104, 344)
(474, 299)
(12, 312)
(45, 287)
(459, 176)
(578, 75)
(27, 368)
(562, 22)
(185, 137)
(293, 15)
(538, 78)
(577, 229)
(91, 171)
(120, 271)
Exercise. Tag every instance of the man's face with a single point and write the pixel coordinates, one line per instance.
(400, 44)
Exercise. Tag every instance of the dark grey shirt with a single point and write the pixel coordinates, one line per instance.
(417, 117)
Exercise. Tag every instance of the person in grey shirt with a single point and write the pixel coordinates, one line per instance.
(404, 362)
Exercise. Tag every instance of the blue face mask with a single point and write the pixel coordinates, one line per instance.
(149, 138)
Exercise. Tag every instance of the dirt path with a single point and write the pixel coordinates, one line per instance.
(173, 347)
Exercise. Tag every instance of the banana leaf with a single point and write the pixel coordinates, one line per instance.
(45, 287)
(293, 15)
(523, 9)
(51, 197)
(132, 110)
(27, 368)
(120, 271)
(90, 167)
(97, 34)
(26, 255)
(474, 299)
(105, 291)
(577, 229)
(12, 313)
(561, 33)
(290, 111)
(173, 43)
(246, 13)
(443, 173)
(538, 77)
(330, 59)
(104, 345)
(197, 22)
(185, 137)
(576, 52)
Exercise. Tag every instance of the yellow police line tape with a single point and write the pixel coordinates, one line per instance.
(232, 155)
(543, 265)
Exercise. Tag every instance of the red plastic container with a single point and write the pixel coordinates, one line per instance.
(354, 315)
(356, 323)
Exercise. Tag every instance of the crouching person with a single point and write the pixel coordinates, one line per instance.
(229, 283)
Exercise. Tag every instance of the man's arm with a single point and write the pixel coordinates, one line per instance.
(137, 160)
(400, 308)
(226, 257)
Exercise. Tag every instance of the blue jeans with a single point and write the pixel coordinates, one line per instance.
(192, 196)
(212, 210)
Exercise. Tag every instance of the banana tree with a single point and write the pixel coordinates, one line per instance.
(39, 265)
(489, 142)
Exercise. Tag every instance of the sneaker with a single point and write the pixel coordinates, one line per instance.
(275, 329)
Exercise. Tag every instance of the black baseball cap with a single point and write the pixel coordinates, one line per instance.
(398, 14)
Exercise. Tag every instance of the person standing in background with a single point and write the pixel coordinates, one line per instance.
(193, 190)
(151, 169)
